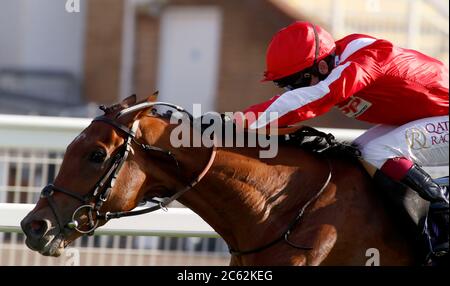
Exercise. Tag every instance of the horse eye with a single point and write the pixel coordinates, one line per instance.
(307, 75)
(97, 156)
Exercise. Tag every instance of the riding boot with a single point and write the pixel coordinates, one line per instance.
(436, 228)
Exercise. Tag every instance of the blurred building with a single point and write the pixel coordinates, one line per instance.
(415, 24)
(193, 51)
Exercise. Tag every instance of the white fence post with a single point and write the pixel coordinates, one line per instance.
(3, 179)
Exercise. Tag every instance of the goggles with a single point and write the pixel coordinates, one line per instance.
(297, 80)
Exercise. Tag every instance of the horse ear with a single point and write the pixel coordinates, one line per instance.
(153, 97)
(143, 112)
(129, 101)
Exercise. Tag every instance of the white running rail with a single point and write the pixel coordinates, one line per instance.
(158, 223)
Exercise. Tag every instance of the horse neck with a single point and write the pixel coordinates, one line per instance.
(242, 195)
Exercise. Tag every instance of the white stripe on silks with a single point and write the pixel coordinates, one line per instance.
(302, 96)
(298, 98)
(354, 46)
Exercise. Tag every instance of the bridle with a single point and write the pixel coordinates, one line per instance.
(94, 200)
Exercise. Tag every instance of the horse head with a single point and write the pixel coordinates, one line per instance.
(109, 168)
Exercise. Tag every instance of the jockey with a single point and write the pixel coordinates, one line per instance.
(403, 91)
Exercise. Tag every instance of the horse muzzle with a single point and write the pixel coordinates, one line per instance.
(42, 236)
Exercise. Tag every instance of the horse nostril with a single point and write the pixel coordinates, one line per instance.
(38, 228)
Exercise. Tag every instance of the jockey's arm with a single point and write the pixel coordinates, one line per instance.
(304, 103)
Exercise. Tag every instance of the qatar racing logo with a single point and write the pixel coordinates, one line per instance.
(416, 138)
(428, 135)
(439, 132)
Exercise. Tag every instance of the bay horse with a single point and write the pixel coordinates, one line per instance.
(299, 208)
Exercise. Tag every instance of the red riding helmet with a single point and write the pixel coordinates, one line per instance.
(296, 47)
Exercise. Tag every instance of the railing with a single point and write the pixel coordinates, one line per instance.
(31, 151)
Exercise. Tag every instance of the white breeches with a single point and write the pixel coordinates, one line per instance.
(423, 141)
